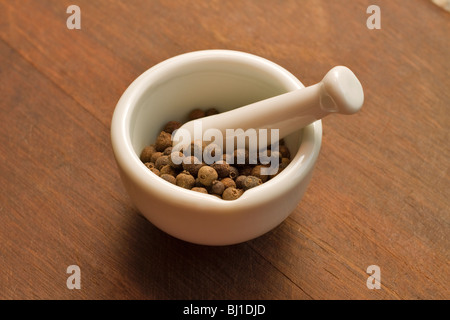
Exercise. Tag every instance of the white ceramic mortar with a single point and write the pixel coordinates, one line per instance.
(168, 91)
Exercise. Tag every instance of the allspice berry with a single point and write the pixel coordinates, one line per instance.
(200, 189)
(245, 171)
(240, 182)
(171, 126)
(222, 168)
(211, 112)
(206, 175)
(149, 165)
(163, 141)
(146, 154)
(251, 182)
(217, 187)
(232, 193)
(167, 151)
(169, 178)
(192, 165)
(155, 171)
(285, 162)
(155, 156)
(185, 180)
(268, 156)
(176, 160)
(196, 114)
(284, 151)
(198, 183)
(274, 154)
(167, 169)
(161, 162)
(256, 172)
(234, 172)
(228, 183)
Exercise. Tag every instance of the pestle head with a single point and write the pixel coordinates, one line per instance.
(343, 87)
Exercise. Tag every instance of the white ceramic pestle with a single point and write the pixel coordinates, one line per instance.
(339, 92)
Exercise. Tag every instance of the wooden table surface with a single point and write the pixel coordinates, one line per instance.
(379, 193)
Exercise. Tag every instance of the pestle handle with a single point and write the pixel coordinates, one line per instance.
(339, 92)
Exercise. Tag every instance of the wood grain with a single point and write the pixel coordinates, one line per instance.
(379, 194)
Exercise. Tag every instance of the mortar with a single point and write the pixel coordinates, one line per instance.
(225, 80)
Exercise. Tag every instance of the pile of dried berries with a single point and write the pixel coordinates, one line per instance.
(221, 179)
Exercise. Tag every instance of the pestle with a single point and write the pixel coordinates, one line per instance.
(339, 92)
